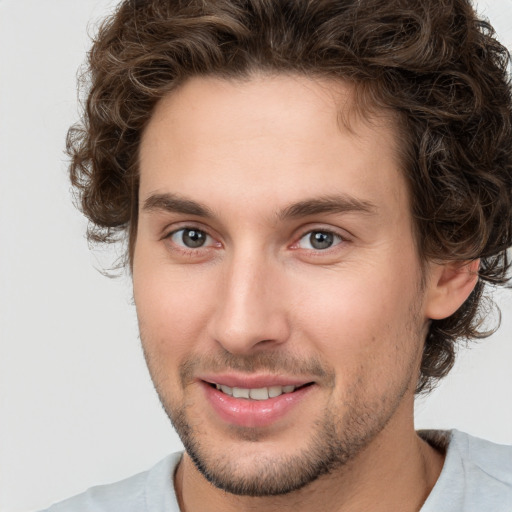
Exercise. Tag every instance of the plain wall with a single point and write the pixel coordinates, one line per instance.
(76, 404)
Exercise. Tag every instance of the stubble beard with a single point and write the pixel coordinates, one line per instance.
(329, 449)
(339, 436)
(337, 439)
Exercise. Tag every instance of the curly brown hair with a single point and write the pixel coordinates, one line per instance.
(435, 65)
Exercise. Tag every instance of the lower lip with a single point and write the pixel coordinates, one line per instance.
(253, 413)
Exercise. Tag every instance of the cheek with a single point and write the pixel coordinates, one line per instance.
(363, 324)
(172, 308)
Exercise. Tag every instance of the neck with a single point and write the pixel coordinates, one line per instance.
(396, 471)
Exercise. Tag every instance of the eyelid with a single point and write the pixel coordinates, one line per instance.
(170, 230)
(172, 234)
(337, 239)
(212, 240)
(343, 235)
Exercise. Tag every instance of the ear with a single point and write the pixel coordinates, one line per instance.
(450, 284)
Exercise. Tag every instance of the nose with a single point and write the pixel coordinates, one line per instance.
(251, 312)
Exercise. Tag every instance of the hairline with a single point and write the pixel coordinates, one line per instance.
(360, 108)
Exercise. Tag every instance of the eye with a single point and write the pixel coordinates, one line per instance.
(191, 238)
(319, 240)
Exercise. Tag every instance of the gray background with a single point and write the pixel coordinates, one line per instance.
(76, 404)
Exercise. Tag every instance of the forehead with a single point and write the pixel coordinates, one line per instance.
(282, 138)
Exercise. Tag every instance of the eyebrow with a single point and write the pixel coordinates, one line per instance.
(340, 203)
(331, 204)
(174, 204)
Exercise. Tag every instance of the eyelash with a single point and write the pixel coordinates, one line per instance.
(337, 240)
(190, 251)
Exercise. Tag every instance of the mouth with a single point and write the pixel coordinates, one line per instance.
(255, 401)
(262, 393)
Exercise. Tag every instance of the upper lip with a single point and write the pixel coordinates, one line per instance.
(253, 381)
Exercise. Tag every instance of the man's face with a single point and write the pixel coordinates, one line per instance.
(275, 260)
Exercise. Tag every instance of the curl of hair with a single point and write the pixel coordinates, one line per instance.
(435, 65)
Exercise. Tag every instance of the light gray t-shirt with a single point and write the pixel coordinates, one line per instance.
(476, 477)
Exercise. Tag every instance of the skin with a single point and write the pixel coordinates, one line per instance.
(258, 299)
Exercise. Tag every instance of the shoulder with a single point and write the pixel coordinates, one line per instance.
(143, 492)
(476, 476)
(491, 459)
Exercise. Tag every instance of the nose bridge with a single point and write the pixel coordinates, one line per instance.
(250, 309)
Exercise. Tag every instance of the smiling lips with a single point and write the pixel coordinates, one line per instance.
(255, 393)
(255, 405)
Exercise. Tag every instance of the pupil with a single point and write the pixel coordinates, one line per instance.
(193, 238)
(321, 240)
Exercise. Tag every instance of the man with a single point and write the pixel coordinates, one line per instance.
(315, 195)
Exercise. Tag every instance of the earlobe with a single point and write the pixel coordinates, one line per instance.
(451, 284)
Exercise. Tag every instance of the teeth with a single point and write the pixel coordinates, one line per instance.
(259, 394)
(227, 390)
(240, 393)
(256, 393)
(274, 391)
